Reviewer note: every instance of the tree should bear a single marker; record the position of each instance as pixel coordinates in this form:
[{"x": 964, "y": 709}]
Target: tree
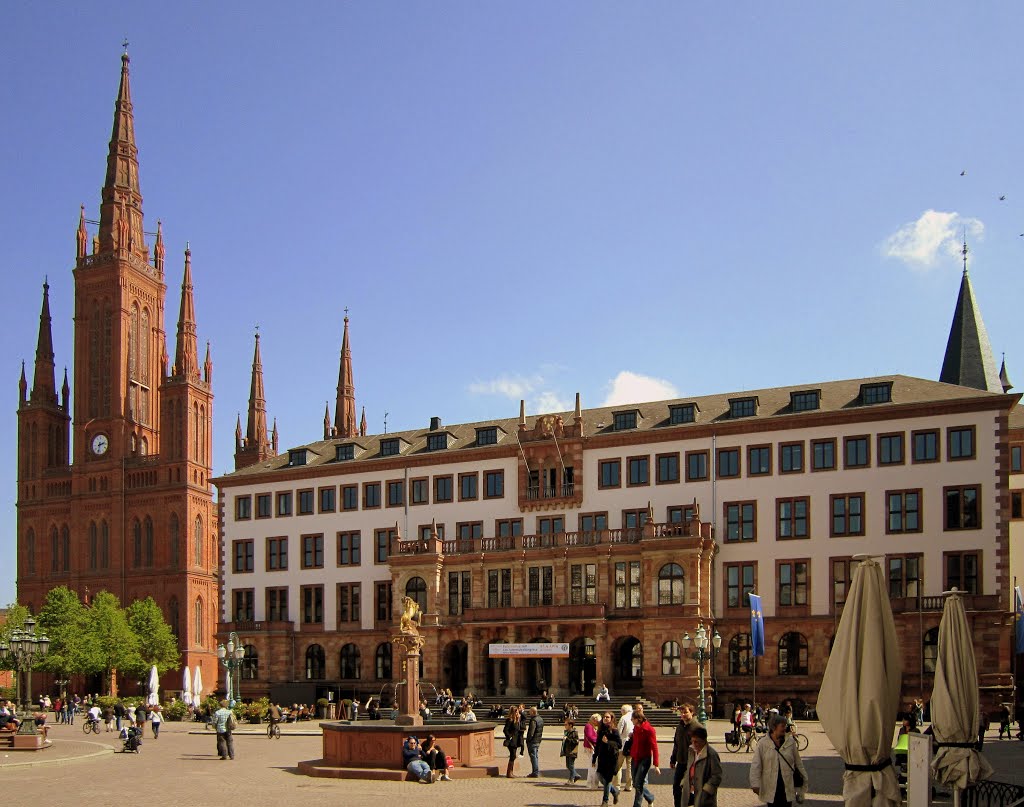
[
  {"x": 65, "y": 621},
  {"x": 157, "y": 645},
  {"x": 15, "y": 618},
  {"x": 116, "y": 645}
]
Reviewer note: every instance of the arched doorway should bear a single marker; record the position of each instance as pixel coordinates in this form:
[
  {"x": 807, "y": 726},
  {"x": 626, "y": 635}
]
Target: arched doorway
[
  {"x": 628, "y": 657},
  {"x": 495, "y": 669},
  {"x": 537, "y": 677},
  {"x": 582, "y": 666},
  {"x": 456, "y": 667}
]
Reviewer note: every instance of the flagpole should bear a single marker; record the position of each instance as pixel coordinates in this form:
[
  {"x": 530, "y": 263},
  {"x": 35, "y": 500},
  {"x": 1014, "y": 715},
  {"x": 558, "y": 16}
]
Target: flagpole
[{"x": 1016, "y": 649}]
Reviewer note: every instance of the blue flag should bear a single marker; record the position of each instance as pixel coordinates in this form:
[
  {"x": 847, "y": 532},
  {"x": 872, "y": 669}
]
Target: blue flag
[
  {"x": 756, "y": 626},
  {"x": 1018, "y": 607}
]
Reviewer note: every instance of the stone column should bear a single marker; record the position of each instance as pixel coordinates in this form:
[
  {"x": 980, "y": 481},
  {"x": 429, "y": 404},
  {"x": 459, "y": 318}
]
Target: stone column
[{"x": 408, "y": 646}]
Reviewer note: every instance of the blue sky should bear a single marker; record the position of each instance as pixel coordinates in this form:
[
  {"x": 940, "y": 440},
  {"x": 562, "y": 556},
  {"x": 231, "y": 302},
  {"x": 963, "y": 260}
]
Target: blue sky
[{"x": 525, "y": 199}]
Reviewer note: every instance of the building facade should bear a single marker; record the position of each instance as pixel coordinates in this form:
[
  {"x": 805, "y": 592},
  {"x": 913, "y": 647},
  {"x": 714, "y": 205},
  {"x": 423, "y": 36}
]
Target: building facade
[{"x": 114, "y": 490}]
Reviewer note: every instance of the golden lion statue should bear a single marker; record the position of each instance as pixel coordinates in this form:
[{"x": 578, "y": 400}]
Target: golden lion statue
[{"x": 410, "y": 616}]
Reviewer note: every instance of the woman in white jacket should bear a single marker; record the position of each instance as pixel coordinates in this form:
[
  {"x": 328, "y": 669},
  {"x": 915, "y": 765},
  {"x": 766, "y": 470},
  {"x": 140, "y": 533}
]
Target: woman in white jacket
[{"x": 775, "y": 763}]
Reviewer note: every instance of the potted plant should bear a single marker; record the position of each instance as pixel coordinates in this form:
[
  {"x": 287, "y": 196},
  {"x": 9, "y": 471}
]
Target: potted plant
[{"x": 322, "y": 703}]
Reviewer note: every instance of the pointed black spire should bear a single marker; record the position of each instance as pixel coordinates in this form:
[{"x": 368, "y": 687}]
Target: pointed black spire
[{"x": 968, "y": 361}]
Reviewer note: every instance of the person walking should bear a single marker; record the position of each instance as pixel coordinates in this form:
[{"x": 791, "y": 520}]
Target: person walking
[
  {"x": 569, "y": 750},
  {"x": 119, "y": 714},
  {"x": 680, "y": 749},
  {"x": 644, "y": 752},
  {"x": 224, "y": 723},
  {"x": 703, "y": 769},
  {"x": 777, "y": 773},
  {"x": 590, "y": 744},
  {"x": 156, "y": 718},
  {"x": 609, "y": 744},
  {"x": 625, "y": 774},
  {"x": 513, "y": 740},
  {"x": 534, "y": 735}
]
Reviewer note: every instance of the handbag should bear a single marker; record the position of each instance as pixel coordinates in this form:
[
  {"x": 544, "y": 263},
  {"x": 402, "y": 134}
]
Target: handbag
[{"x": 798, "y": 778}]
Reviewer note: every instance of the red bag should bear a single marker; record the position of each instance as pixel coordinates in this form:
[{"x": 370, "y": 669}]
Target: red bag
[{"x": 449, "y": 762}]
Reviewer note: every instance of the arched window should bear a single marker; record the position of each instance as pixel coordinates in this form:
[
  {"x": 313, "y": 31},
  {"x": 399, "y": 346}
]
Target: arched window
[
  {"x": 383, "y": 661},
  {"x": 198, "y": 541},
  {"x": 147, "y": 553},
  {"x": 175, "y": 541},
  {"x": 137, "y": 543},
  {"x": 30, "y": 550},
  {"x": 314, "y": 663},
  {"x": 54, "y": 550},
  {"x": 416, "y": 589},
  {"x": 250, "y": 663},
  {"x": 65, "y": 548},
  {"x": 739, "y": 654},
  {"x": 793, "y": 654},
  {"x": 198, "y": 621},
  {"x": 671, "y": 663},
  {"x": 94, "y": 545},
  {"x": 931, "y": 649},
  {"x": 671, "y": 585},
  {"x": 173, "y": 617},
  {"x": 349, "y": 661},
  {"x": 104, "y": 545},
  {"x": 144, "y": 371}
]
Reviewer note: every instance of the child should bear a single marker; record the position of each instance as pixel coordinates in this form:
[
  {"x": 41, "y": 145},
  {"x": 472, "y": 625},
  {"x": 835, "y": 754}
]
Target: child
[{"x": 570, "y": 744}]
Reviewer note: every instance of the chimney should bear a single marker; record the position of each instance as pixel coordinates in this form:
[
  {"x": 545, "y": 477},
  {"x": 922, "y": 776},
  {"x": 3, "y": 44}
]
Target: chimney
[{"x": 435, "y": 424}]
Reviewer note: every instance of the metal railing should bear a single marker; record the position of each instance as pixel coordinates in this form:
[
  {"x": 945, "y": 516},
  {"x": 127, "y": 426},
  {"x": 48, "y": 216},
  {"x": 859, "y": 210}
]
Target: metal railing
[
  {"x": 992, "y": 794},
  {"x": 565, "y": 491}
]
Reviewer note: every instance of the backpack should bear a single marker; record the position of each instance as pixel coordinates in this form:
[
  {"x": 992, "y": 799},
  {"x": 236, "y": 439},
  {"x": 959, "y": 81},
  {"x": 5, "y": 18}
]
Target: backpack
[{"x": 232, "y": 722}]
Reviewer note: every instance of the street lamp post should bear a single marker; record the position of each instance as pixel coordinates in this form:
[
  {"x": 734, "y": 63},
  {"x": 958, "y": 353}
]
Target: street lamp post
[
  {"x": 704, "y": 649},
  {"x": 231, "y": 657},
  {"x": 22, "y": 651}
]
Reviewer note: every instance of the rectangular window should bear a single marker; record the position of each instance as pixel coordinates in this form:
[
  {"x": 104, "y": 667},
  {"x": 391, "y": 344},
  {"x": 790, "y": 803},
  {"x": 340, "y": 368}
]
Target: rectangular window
[
  {"x": 804, "y": 401},
  {"x": 609, "y": 473},
  {"x": 668, "y": 468},
  {"x": 305, "y": 502},
  {"x": 728, "y": 462},
  {"x": 742, "y": 407},
  {"x": 904, "y": 575},
  {"x": 925, "y": 446},
  {"x": 382, "y": 598},
  {"x": 419, "y": 491},
  {"x": 499, "y": 588},
  {"x": 348, "y": 603},
  {"x": 494, "y": 484},
  {"x": 740, "y": 579},
  {"x": 348, "y": 548},
  {"x": 794, "y": 517},
  {"x": 243, "y": 508},
  {"x": 328, "y": 498},
  {"x": 345, "y": 452},
  {"x": 442, "y": 489},
  {"x": 759, "y": 460},
  {"x": 680, "y": 514},
  {"x": 371, "y": 495},
  {"x": 390, "y": 447},
  {"x": 244, "y": 605},
  {"x": 904, "y": 511},
  {"x": 791, "y": 458},
  {"x": 551, "y": 525},
  {"x": 823, "y": 455},
  {"x": 540, "y": 585},
  {"x": 842, "y": 575},
  {"x": 741, "y": 521},
  {"x": 508, "y": 527},
  {"x": 856, "y": 451},
  {"x": 1016, "y": 505},
  {"x": 792, "y": 577},
  {"x": 634, "y": 519},
  {"x": 382, "y": 544},
  {"x": 396, "y": 493},
  {"x": 468, "y": 486},
  {"x": 1016, "y": 458},
  {"x": 284, "y": 504},
  {"x": 312, "y": 551},
  {"x": 262, "y": 505},
  {"x": 961, "y": 443},
  {"x": 350, "y": 497},
  {"x": 847, "y": 514},
  {"x": 243, "y": 557},
  {"x": 639, "y": 471},
  {"x": 890, "y": 449},
  {"x": 437, "y": 442},
  {"x": 468, "y": 530},
  {"x": 427, "y": 531},
  {"x": 583, "y": 583},
  {"x": 460, "y": 593},
  {"x": 487, "y": 436},
  {"x": 277, "y": 605},
  {"x": 876, "y": 393},
  {"x": 590, "y": 524},
  {"x": 277, "y": 554},
  {"x": 682, "y": 413},
  {"x": 296, "y": 457},
  {"x": 962, "y": 511},
  {"x": 696, "y": 466},
  {"x": 625, "y": 420},
  {"x": 312, "y": 605},
  {"x": 963, "y": 571},
  {"x": 627, "y": 584}
]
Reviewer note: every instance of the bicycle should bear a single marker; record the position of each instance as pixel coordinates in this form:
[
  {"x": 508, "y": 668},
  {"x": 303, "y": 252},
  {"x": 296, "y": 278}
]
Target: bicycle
[
  {"x": 737, "y": 739},
  {"x": 91, "y": 724},
  {"x": 802, "y": 740},
  {"x": 274, "y": 731}
]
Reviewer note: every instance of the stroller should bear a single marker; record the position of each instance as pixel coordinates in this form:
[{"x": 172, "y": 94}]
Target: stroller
[{"x": 132, "y": 738}]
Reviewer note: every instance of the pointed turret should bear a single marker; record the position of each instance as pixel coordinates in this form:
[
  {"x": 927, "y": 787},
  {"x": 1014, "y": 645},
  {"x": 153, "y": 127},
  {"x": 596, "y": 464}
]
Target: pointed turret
[
  {"x": 208, "y": 365},
  {"x": 238, "y": 430},
  {"x": 345, "y": 409},
  {"x": 1004, "y": 377},
  {"x": 255, "y": 446},
  {"x": 65, "y": 392},
  {"x": 362, "y": 424},
  {"x": 968, "y": 360},
  {"x": 22, "y": 385},
  {"x": 121, "y": 196},
  {"x": 82, "y": 235},
  {"x": 44, "y": 388},
  {"x": 273, "y": 437},
  {"x": 327, "y": 420},
  {"x": 186, "y": 361},
  {"x": 159, "y": 250}
]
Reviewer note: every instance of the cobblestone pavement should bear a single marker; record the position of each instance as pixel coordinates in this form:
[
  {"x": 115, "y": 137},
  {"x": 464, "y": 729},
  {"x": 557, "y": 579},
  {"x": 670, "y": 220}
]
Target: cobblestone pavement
[{"x": 182, "y": 768}]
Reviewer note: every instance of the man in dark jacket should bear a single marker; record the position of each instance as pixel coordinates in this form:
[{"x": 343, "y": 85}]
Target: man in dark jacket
[
  {"x": 534, "y": 734},
  {"x": 680, "y": 749}
]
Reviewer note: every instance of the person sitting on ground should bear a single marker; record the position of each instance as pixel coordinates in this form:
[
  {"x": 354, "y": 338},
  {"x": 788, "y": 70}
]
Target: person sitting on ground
[
  {"x": 436, "y": 758},
  {"x": 467, "y": 716},
  {"x": 9, "y": 723},
  {"x": 603, "y": 694},
  {"x": 496, "y": 711},
  {"x": 424, "y": 711},
  {"x": 373, "y": 709},
  {"x": 412, "y": 758}
]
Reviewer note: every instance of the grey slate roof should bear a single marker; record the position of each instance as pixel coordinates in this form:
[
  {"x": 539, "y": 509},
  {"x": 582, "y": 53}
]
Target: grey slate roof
[{"x": 969, "y": 361}]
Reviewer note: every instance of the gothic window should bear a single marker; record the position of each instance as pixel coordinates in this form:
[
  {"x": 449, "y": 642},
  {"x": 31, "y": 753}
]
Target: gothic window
[
  {"x": 383, "y": 661},
  {"x": 95, "y": 342},
  {"x": 173, "y": 617},
  {"x": 104, "y": 545},
  {"x": 30, "y": 550},
  {"x": 314, "y": 663},
  {"x": 671, "y": 662},
  {"x": 143, "y": 368},
  {"x": 137, "y": 543},
  {"x": 671, "y": 585},
  {"x": 793, "y": 654},
  {"x": 147, "y": 555},
  {"x": 739, "y": 654},
  {"x": 250, "y": 663},
  {"x": 93, "y": 545},
  {"x": 198, "y": 541},
  {"x": 106, "y": 356},
  {"x": 195, "y": 431},
  {"x": 65, "y": 542},
  {"x": 179, "y": 432},
  {"x": 198, "y": 621},
  {"x": 349, "y": 661},
  {"x": 930, "y": 649},
  {"x": 54, "y": 550},
  {"x": 416, "y": 589},
  {"x": 175, "y": 542}
]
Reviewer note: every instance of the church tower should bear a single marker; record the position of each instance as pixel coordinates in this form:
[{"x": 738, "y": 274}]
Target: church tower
[
  {"x": 132, "y": 513},
  {"x": 255, "y": 446}
]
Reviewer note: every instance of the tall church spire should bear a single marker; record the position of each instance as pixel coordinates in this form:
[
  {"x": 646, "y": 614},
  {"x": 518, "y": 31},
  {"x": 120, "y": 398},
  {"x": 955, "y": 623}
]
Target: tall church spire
[
  {"x": 121, "y": 196},
  {"x": 44, "y": 387},
  {"x": 969, "y": 361},
  {"x": 186, "y": 352},
  {"x": 345, "y": 409},
  {"x": 256, "y": 446}
]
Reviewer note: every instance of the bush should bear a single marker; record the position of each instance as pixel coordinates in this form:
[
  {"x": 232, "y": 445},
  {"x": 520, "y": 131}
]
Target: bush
[
  {"x": 103, "y": 701},
  {"x": 253, "y": 711},
  {"x": 175, "y": 710},
  {"x": 322, "y": 702}
]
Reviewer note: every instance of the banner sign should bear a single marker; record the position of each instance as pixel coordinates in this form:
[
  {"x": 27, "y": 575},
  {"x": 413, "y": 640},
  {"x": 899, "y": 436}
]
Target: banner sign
[
  {"x": 756, "y": 626},
  {"x": 529, "y": 650}
]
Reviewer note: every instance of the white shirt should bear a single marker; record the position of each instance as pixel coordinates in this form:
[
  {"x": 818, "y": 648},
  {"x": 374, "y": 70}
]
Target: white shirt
[
  {"x": 626, "y": 725},
  {"x": 94, "y": 713}
]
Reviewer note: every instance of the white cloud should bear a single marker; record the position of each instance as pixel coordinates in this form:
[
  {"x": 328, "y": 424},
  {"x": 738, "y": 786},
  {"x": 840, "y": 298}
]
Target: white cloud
[
  {"x": 629, "y": 387},
  {"x": 935, "y": 234},
  {"x": 508, "y": 386},
  {"x": 546, "y": 402}
]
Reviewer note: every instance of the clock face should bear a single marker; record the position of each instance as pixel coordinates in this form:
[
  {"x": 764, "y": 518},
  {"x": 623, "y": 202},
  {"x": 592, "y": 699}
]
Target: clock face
[{"x": 100, "y": 444}]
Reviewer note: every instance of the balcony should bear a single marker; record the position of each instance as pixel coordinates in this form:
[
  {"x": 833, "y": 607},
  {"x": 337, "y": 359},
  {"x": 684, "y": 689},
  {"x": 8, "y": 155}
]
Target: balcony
[{"x": 566, "y": 491}]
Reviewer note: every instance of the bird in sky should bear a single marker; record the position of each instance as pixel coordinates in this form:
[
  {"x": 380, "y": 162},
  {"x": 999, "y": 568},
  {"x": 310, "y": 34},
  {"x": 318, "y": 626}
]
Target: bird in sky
[
  {"x": 1002, "y": 198},
  {"x": 963, "y": 173}
]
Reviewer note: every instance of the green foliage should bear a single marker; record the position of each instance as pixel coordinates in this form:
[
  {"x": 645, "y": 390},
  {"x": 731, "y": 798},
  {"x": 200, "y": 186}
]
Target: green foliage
[
  {"x": 116, "y": 645},
  {"x": 157, "y": 645},
  {"x": 16, "y": 616},
  {"x": 175, "y": 710},
  {"x": 65, "y": 621},
  {"x": 103, "y": 701},
  {"x": 322, "y": 702},
  {"x": 254, "y": 711}
]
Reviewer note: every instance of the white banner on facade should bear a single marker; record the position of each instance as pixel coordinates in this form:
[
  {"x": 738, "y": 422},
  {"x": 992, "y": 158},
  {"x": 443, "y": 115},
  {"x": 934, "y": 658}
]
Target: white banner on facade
[{"x": 529, "y": 650}]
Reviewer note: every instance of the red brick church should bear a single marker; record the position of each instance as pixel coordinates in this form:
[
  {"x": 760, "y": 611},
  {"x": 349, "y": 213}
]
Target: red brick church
[{"x": 114, "y": 489}]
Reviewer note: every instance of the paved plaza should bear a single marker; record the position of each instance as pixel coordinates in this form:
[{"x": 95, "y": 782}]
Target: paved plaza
[{"x": 182, "y": 769}]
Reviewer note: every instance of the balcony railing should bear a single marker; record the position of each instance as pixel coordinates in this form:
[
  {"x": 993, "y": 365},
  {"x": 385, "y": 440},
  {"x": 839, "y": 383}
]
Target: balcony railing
[
  {"x": 545, "y": 540},
  {"x": 564, "y": 491}
]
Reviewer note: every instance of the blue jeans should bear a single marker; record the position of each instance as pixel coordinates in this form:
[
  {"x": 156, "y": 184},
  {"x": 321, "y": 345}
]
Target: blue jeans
[
  {"x": 570, "y": 765},
  {"x": 609, "y": 787},
  {"x": 419, "y": 769},
  {"x": 640, "y": 771},
  {"x": 535, "y": 758}
]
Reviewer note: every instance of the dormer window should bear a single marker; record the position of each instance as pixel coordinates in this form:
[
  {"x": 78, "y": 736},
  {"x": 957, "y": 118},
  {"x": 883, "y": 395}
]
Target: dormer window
[
  {"x": 805, "y": 400},
  {"x": 682, "y": 413},
  {"x": 487, "y": 436},
  {"x": 742, "y": 407},
  {"x": 346, "y": 451},
  {"x": 296, "y": 457},
  {"x": 390, "y": 447},
  {"x": 625, "y": 420},
  {"x": 435, "y": 442},
  {"x": 876, "y": 393}
]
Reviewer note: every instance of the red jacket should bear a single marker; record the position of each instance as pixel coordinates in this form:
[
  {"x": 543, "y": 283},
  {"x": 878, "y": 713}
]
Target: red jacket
[{"x": 645, "y": 743}]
